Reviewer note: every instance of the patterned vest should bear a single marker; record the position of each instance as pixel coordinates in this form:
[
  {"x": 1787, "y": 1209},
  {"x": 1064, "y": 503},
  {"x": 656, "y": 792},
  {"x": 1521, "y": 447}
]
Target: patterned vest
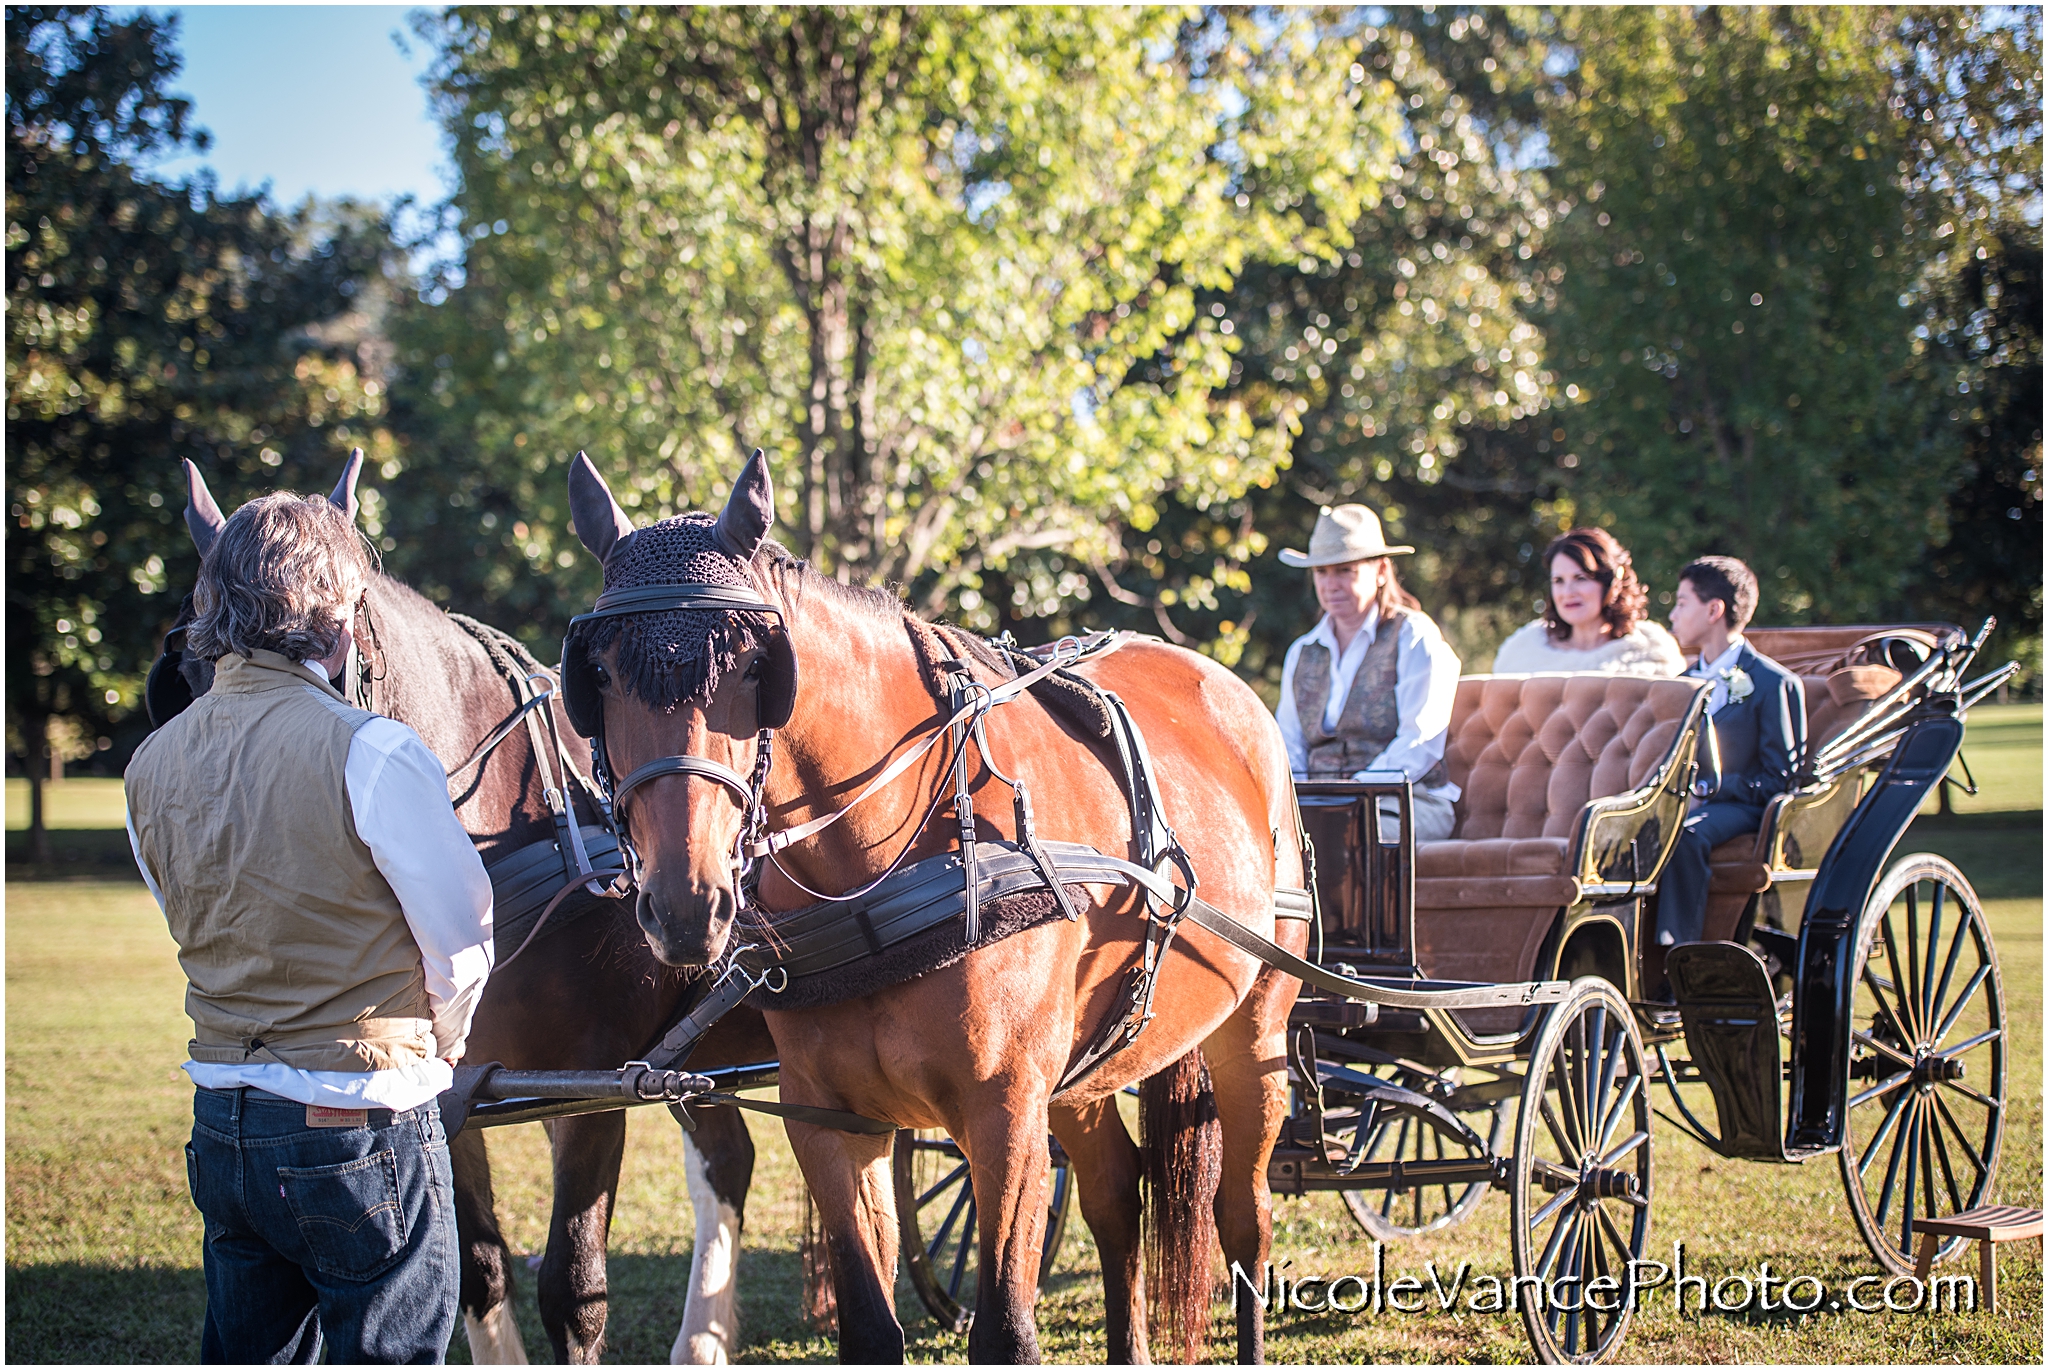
[{"x": 1370, "y": 716}]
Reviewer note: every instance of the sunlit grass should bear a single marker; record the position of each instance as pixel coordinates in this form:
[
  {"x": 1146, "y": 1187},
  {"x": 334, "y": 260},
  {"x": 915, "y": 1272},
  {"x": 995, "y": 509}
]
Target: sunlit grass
[{"x": 87, "y": 801}]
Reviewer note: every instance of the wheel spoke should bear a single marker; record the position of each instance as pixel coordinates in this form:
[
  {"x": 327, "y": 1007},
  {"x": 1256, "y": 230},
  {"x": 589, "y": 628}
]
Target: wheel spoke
[
  {"x": 1879, "y": 991},
  {"x": 1934, "y": 910},
  {"x": 1597, "y": 1107},
  {"x": 1563, "y": 1069},
  {"x": 1912, "y": 1145},
  {"x": 1881, "y": 1088},
  {"x": 960, "y": 1254},
  {"x": 1899, "y": 992},
  {"x": 1936, "y": 1145},
  {"x": 1972, "y": 1095},
  {"x": 960, "y": 1203},
  {"x": 1614, "y": 1235},
  {"x": 1909, "y": 988},
  {"x": 952, "y": 1177},
  {"x": 1962, "y": 1139},
  {"x": 1564, "y": 1148},
  {"x": 1634, "y": 1140},
  {"x": 1620, "y": 1108},
  {"x": 1891, "y": 1118},
  {"x": 1891, "y": 1173},
  {"x": 1948, "y": 969},
  {"x": 1549, "y": 1210},
  {"x": 1963, "y": 1002},
  {"x": 1887, "y": 1048},
  {"x": 1593, "y": 1067},
  {"x": 1550, "y": 1248}
]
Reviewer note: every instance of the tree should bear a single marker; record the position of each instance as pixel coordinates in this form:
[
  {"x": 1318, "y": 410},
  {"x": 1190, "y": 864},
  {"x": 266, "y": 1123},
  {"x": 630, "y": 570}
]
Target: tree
[
  {"x": 944, "y": 265},
  {"x": 1969, "y": 85},
  {"x": 145, "y": 322},
  {"x": 1414, "y": 359},
  {"x": 1735, "y": 316}
]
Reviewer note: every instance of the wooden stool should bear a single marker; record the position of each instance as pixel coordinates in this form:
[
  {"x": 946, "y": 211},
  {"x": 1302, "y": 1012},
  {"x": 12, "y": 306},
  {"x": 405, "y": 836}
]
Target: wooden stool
[{"x": 1986, "y": 1226}]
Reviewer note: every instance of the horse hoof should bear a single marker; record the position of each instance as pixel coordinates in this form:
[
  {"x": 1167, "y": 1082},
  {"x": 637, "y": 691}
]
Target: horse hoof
[{"x": 494, "y": 1338}]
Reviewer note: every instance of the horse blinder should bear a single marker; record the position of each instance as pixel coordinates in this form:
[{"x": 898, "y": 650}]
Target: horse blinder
[
  {"x": 584, "y": 701},
  {"x": 167, "y": 693}
]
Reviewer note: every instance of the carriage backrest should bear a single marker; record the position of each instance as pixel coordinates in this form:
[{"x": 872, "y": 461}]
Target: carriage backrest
[
  {"x": 1530, "y": 751},
  {"x": 1845, "y": 669}
]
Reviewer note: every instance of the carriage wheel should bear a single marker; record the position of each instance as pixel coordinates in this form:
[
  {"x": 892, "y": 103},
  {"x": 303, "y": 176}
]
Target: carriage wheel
[
  {"x": 1926, "y": 1085},
  {"x": 935, "y": 1218},
  {"x": 1581, "y": 1175},
  {"x": 1406, "y": 1135}
]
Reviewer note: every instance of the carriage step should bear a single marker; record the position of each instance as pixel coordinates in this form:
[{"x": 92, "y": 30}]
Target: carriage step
[{"x": 1730, "y": 1014}]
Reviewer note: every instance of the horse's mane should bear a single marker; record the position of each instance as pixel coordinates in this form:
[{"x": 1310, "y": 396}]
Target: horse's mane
[
  {"x": 794, "y": 577},
  {"x": 674, "y": 656}
]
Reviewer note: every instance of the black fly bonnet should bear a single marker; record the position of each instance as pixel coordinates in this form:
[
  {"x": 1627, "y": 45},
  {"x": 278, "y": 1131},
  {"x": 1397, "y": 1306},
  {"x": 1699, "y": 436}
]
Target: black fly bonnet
[{"x": 681, "y": 609}]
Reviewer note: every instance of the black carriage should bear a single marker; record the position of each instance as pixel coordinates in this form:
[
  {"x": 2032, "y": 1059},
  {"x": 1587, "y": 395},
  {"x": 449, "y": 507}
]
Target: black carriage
[{"x": 1847, "y": 1001}]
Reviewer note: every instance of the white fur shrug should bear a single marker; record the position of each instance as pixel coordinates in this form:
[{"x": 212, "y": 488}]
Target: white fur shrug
[{"x": 1649, "y": 650}]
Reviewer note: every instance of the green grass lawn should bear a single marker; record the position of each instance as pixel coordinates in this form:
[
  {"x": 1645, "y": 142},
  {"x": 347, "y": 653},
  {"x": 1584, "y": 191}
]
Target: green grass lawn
[
  {"x": 87, "y": 801},
  {"x": 103, "y": 1243}
]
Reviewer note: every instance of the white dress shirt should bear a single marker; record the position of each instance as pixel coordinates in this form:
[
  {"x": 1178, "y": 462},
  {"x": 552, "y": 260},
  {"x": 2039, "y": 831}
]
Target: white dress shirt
[
  {"x": 398, "y": 794},
  {"x": 1425, "y": 691},
  {"x": 1717, "y": 695}
]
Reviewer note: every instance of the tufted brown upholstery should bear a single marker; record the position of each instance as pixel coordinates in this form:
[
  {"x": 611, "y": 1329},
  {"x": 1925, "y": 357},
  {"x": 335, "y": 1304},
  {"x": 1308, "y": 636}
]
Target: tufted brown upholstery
[{"x": 1529, "y": 752}]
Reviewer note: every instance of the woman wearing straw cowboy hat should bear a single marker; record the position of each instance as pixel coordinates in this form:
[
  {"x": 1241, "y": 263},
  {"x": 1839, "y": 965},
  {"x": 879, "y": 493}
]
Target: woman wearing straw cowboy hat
[{"x": 1371, "y": 687}]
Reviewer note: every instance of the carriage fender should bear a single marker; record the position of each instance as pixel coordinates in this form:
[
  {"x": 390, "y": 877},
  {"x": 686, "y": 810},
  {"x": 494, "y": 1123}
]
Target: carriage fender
[{"x": 1824, "y": 992}]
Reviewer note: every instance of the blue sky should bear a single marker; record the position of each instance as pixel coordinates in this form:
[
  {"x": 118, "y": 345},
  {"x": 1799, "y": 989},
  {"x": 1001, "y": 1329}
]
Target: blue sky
[{"x": 313, "y": 99}]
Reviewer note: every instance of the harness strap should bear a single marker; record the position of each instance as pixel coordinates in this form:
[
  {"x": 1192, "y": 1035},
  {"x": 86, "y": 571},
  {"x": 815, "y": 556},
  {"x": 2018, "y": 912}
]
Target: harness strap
[
  {"x": 1066, "y": 652},
  {"x": 702, "y": 766},
  {"x": 837, "y": 1119}
]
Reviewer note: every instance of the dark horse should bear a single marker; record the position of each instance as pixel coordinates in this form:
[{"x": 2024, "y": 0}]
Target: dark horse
[
  {"x": 978, "y": 1046},
  {"x": 587, "y": 995}
]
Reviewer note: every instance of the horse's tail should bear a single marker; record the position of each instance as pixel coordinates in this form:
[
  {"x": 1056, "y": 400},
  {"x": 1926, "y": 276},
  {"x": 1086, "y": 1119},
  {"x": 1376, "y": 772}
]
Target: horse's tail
[{"x": 1181, "y": 1145}]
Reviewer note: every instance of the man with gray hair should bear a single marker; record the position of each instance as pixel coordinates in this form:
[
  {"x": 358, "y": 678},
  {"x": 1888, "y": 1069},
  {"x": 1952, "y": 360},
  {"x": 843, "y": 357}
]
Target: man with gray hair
[{"x": 334, "y": 924}]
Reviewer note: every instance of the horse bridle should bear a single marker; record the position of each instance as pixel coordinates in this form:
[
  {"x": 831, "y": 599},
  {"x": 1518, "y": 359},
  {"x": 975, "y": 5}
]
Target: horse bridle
[{"x": 585, "y": 706}]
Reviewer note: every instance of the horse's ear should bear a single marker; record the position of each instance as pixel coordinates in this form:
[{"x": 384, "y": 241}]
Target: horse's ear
[
  {"x": 599, "y": 520},
  {"x": 202, "y": 515},
  {"x": 344, "y": 496},
  {"x": 750, "y": 512}
]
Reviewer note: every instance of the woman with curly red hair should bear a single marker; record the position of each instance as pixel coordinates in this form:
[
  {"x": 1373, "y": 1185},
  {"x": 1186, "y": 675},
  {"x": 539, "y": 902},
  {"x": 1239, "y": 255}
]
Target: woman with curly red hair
[{"x": 1594, "y": 616}]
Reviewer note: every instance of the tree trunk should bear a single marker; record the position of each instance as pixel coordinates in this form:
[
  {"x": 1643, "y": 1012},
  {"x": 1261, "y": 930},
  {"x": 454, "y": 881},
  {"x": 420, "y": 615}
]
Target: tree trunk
[{"x": 38, "y": 829}]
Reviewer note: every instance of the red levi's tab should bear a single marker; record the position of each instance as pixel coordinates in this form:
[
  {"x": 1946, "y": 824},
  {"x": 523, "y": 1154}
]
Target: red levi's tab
[{"x": 320, "y": 1116}]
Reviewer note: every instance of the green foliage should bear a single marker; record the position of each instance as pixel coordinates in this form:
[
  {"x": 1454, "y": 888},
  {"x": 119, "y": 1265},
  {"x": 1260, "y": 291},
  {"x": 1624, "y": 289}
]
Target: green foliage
[
  {"x": 944, "y": 265},
  {"x": 1970, "y": 83},
  {"x": 1734, "y": 316},
  {"x": 1415, "y": 358},
  {"x": 145, "y": 323}
]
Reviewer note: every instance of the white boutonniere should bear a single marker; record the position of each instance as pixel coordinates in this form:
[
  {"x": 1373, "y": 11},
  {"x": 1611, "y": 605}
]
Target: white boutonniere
[{"x": 1740, "y": 686}]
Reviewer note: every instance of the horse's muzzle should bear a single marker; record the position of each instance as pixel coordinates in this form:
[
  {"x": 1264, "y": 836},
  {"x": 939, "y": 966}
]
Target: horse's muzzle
[{"x": 690, "y": 930}]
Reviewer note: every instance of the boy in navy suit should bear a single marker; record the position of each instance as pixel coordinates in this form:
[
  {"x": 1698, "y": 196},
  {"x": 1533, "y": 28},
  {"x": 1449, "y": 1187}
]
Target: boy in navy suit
[{"x": 1756, "y": 735}]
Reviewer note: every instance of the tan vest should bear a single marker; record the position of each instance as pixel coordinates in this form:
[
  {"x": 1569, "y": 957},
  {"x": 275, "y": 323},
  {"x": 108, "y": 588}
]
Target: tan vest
[
  {"x": 295, "y": 949},
  {"x": 1370, "y": 716}
]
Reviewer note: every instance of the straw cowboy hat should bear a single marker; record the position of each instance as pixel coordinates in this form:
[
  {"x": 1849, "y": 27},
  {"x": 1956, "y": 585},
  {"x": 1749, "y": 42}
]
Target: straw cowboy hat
[{"x": 1347, "y": 532}]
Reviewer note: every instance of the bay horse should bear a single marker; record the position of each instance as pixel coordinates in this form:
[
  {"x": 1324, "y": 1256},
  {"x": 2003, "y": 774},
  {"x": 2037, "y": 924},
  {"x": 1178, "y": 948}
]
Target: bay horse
[
  {"x": 978, "y": 1046},
  {"x": 587, "y": 995}
]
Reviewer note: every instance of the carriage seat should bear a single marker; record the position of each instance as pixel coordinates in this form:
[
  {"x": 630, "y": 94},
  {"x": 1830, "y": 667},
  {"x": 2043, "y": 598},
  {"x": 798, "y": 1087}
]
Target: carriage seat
[
  {"x": 1530, "y": 754},
  {"x": 1843, "y": 673}
]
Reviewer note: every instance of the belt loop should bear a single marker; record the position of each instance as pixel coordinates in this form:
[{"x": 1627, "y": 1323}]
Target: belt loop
[{"x": 241, "y": 1096}]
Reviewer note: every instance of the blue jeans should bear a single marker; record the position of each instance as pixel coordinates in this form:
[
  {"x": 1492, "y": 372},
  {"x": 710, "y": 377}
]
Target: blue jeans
[{"x": 341, "y": 1235}]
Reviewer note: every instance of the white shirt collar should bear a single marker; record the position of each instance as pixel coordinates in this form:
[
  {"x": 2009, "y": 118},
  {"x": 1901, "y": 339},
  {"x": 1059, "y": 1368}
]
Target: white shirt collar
[
  {"x": 1325, "y": 631},
  {"x": 1724, "y": 662}
]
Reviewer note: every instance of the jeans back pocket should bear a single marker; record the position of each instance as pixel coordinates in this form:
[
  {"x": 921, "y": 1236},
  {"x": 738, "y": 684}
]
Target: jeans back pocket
[{"x": 350, "y": 1214}]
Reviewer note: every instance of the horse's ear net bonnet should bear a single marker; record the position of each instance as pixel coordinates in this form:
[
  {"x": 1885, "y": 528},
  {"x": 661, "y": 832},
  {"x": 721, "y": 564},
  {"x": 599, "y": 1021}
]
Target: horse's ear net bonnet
[{"x": 668, "y": 655}]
